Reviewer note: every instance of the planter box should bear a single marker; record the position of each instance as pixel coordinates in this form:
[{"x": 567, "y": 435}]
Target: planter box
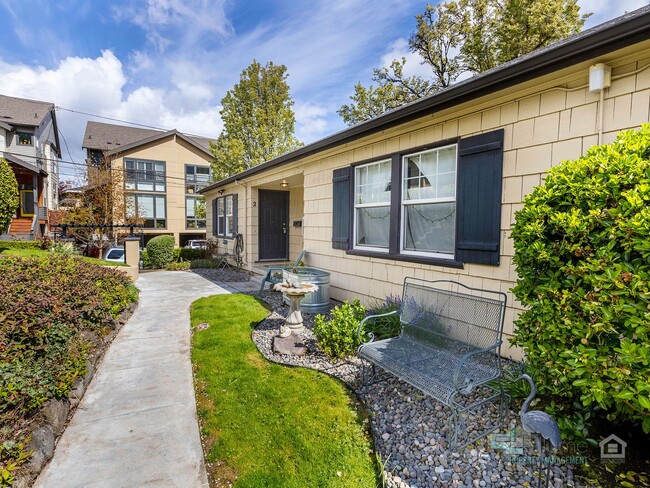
[{"x": 314, "y": 302}]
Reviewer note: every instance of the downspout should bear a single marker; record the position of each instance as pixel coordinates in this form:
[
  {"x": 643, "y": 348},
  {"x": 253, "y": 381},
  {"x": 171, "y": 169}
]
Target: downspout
[
  {"x": 601, "y": 116},
  {"x": 246, "y": 209}
]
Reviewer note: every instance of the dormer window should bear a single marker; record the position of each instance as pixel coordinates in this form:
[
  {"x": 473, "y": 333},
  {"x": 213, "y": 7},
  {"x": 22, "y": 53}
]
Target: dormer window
[{"x": 24, "y": 138}]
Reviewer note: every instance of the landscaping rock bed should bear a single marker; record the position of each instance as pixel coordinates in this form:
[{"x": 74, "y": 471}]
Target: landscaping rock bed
[
  {"x": 227, "y": 275},
  {"x": 408, "y": 427}
]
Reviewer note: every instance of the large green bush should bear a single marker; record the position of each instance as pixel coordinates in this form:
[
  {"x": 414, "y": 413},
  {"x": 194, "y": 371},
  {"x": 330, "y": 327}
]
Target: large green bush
[
  {"x": 582, "y": 254},
  {"x": 20, "y": 245},
  {"x": 8, "y": 195},
  {"x": 160, "y": 251}
]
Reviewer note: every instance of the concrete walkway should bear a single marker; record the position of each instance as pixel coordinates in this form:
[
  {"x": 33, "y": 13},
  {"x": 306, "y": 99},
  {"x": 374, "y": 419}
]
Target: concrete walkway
[{"x": 136, "y": 425}]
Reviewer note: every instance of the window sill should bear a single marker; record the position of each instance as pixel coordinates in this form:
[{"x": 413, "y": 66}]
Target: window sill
[{"x": 447, "y": 263}]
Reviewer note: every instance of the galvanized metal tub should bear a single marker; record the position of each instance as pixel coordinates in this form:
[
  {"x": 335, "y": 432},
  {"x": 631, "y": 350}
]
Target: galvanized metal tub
[{"x": 314, "y": 302}]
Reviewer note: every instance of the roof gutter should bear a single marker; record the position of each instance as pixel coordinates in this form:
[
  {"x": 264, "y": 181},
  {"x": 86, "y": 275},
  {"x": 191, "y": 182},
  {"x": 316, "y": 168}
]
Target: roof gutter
[{"x": 605, "y": 38}]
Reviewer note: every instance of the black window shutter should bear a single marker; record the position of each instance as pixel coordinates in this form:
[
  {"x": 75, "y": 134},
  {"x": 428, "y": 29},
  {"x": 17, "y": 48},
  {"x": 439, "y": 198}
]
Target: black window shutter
[
  {"x": 480, "y": 163},
  {"x": 214, "y": 217},
  {"x": 234, "y": 215},
  {"x": 341, "y": 208}
]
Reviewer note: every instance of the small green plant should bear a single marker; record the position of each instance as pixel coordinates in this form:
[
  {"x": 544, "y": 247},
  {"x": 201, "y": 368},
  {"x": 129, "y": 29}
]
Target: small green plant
[
  {"x": 337, "y": 337},
  {"x": 160, "y": 251},
  {"x": 385, "y": 327},
  {"x": 574, "y": 421},
  {"x": 182, "y": 266}
]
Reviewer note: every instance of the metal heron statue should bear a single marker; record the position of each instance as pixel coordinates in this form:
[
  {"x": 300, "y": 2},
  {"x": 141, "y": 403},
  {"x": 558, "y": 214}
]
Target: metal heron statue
[{"x": 540, "y": 424}]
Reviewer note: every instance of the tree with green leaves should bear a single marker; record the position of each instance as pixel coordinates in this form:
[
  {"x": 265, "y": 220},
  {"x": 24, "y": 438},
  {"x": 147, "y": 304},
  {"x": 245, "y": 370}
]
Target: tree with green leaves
[
  {"x": 8, "y": 195},
  {"x": 258, "y": 121},
  {"x": 464, "y": 36}
]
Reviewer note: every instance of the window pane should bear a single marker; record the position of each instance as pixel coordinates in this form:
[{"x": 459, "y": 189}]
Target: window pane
[
  {"x": 130, "y": 164},
  {"x": 373, "y": 226},
  {"x": 430, "y": 227},
  {"x": 160, "y": 208},
  {"x": 160, "y": 168},
  {"x": 229, "y": 205},
  {"x": 200, "y": 170},
  {"x": 229, "y": 225},
  {"x": 145, "y": 206},
  {"x": 189, "y": 170},
  {"x": 189, "y": 207},
  {"x": 430, "y": 175},
  {"x": 130, "y": 206},
  {"x": 190, "y": 223},
  {"x": 220, "y": 208},
  {"x": 159, "y": 187},
  {"x": 145, "y": 186},
  {"x": 200, "y": 223},
  {"x": 372, "y": 183}
]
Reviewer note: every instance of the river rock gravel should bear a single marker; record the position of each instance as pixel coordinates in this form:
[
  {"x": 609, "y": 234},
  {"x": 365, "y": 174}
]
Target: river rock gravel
[{"x": 410, "y": 429}]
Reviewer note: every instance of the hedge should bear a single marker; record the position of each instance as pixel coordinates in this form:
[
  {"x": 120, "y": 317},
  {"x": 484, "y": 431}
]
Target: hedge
[
  {"x": 582, "y": 254},
  {"x": 160, "y": 251}
]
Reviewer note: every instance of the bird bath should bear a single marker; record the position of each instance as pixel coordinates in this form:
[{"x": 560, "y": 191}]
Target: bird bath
[{"x": 294, "y": 292}]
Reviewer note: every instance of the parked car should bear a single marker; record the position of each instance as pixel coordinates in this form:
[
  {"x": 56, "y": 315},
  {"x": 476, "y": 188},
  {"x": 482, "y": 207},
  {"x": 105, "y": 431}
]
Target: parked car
[
  {"x": 115, "y": 254},
  {"x": 197, "y": 244}
]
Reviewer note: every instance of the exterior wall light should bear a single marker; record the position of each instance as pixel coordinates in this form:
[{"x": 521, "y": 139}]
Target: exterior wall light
[
  {"x": 284, "y": 184},
  {"x": 600, "y": 77}
]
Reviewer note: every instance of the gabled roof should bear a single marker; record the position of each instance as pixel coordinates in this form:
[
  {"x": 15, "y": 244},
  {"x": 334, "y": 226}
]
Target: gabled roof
[
  {"x": 115, "y": 138},
  {"x": 21, "y": 111},
  {"x": 623, "y": 31}
]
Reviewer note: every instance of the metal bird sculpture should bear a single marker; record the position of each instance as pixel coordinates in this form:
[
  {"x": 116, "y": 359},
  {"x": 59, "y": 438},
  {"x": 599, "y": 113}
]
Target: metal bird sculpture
[{"x": 540, "y": 424}]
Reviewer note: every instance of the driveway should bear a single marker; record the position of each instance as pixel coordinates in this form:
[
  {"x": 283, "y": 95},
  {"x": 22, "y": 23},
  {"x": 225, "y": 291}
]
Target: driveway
[{"x": 136, "y": 425}]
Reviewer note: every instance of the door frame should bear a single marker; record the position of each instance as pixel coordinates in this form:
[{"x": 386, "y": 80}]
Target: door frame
[
  {"x": 259, "y": 226},
  {"x": 22, "y": 193}
]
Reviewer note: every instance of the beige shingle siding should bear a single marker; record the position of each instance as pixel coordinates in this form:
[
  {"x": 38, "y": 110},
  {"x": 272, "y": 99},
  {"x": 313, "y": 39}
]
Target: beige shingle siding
[{"x": 543, "y": 126}]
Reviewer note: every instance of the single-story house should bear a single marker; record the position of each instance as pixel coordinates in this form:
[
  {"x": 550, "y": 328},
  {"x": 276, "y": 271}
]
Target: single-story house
[{"x": 431, "y": 189}]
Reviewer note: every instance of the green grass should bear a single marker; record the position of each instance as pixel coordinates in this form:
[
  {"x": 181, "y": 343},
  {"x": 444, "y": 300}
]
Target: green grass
[
  {"x": 269, "y": 425},
  {"x": 35, "y": 253}
]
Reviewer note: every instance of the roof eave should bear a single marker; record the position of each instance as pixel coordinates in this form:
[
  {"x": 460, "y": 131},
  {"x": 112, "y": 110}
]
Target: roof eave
[{"x": 622, "y": 32}]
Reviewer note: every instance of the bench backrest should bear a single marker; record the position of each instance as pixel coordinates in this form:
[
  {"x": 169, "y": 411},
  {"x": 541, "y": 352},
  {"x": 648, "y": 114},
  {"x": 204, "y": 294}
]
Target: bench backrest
[{"x": 442, "y": 311}]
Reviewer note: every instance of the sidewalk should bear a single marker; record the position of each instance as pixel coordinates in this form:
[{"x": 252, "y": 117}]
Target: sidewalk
[{"x": 136, "y": 425}]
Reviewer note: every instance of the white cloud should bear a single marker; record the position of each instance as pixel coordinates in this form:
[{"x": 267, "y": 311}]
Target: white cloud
[
  {"x": 311, "y": 121},
  {"x": 400, "y": 49},
  {"x": 98, "y": 86},
  {"x": 171, "y": 22}
]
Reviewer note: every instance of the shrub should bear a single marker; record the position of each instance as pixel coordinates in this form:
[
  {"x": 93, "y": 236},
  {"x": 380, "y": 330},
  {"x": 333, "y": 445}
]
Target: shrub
[
  {"x": 582, "y": 254},
  {"x": 185, "y": 254},
  {"x": 64, "y": 247},
  {"x": 145, "y": 259},
  {"x": 337, "y": 337},
  {"x": 8, "y": 195},
  {"x": 385, "y": 327},
  {"x": 160, "y": 251},
  {"x": 20, "y": 244},
  {"x": 183, "y": 266}
]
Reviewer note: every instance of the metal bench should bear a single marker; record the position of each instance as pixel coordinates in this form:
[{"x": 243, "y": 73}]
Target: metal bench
[{"x": 448, "y": 348}]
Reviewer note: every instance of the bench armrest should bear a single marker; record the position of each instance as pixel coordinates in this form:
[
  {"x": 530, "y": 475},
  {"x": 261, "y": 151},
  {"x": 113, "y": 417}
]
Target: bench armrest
[
  {"x": 463, "y": 382},
  {"x": 370, "y": 334}
]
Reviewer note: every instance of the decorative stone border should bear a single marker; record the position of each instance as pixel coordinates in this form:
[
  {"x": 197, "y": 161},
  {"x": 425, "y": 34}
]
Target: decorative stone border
[{"x": 54, "y": 415}]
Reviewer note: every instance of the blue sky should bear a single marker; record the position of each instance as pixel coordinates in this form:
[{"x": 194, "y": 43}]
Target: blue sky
[{"x": 168, "y": 63}]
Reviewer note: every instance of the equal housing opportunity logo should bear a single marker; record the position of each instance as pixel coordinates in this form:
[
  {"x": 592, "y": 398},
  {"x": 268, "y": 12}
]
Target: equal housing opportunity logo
[{"x": 612, "y": 449}]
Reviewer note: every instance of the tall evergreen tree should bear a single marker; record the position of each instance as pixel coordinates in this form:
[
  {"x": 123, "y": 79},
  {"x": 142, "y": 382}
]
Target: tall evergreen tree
[
  {"x": 464, "y": 36},
  {"x": 8, "y": 195},
  {"x": 258, "y": 120}
]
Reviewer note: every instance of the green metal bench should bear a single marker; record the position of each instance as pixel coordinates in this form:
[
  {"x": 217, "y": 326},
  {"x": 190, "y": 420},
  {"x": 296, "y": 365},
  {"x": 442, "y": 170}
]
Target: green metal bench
[
  {"x": 448, "y": 348},
  {"x": 274, "y": 273}
]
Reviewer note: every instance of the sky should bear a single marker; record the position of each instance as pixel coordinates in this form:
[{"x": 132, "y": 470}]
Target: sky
[{"x": 168, "y": 63}]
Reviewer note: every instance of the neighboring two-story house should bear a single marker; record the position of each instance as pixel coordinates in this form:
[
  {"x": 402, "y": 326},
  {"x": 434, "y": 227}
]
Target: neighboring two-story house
[
  {"x": 29, "y": 141},
  {"x": 161, "y": 171}
]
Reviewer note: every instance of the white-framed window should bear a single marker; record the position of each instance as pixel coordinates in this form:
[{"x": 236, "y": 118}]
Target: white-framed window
[
  {"x": 372, "y": 190},
  {"x": 151, "y": 208},
  {"x": 24, "y": 139},
  {"x": 428, "y": 203},
  {"x": 144, "y": 175},
  {"x": 225, "y": 216}
]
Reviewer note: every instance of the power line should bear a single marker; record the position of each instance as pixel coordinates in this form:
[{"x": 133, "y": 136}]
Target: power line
[
  {"x": 88, "y": 165},
  {"x": 58, "y": 107}
]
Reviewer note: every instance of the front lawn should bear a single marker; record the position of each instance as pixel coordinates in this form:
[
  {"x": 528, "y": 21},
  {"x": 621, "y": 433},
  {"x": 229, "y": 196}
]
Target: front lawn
[{"x": 264, "y": 424}]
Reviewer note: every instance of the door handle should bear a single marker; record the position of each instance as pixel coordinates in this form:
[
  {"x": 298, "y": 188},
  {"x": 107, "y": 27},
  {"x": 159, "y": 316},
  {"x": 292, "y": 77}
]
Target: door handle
[{"x": 284, "y": 228}]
